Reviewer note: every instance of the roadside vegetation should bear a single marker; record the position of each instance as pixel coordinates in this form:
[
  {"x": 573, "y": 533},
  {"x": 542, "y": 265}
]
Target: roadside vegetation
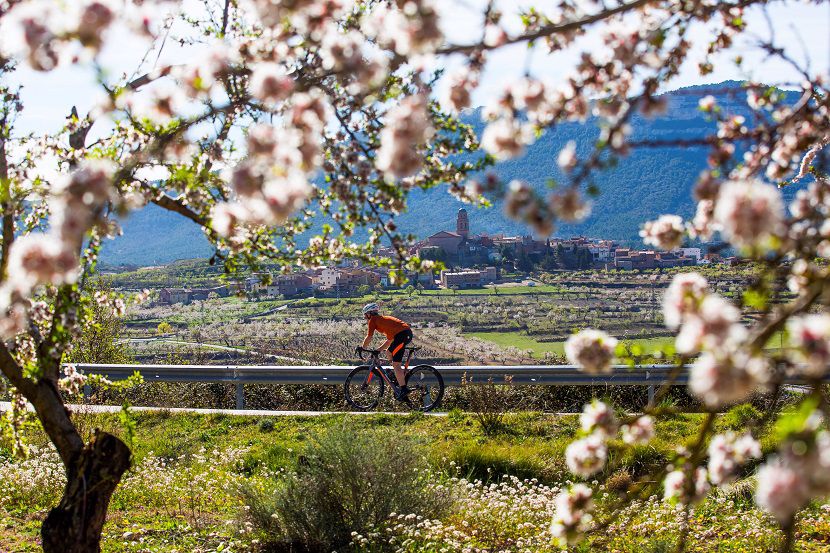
[{"x": 228, "y": 483}]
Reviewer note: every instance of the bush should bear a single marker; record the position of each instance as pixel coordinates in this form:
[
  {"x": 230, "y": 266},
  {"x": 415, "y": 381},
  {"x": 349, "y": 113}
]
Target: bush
[
  {"x": 346, "y": 481},
  {"x": 490, "y": 402}
]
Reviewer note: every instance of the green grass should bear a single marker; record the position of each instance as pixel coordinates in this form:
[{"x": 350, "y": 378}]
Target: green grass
[
  {"x": 539, "y": 349},
  {"x": 183, "y": 494}
]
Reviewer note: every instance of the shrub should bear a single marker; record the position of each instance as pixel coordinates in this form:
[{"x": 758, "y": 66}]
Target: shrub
[
  {"x": 490, "y": 402},
  {"x": 346, "y": 481}
]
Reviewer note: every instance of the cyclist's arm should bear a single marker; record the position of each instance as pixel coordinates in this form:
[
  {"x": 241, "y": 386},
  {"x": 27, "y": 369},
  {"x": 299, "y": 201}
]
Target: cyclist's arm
[{"x": 369, "y": 334}]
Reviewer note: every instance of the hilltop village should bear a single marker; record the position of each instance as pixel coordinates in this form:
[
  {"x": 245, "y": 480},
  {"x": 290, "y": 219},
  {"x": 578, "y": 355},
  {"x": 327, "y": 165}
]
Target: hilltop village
[{"x": 471, "y": 261}]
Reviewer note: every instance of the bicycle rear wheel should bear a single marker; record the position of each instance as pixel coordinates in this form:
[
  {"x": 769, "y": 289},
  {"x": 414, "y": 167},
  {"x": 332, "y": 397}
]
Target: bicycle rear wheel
[
  {"x": 363, "y": 388},
  {"x": 426, "y": 387}
]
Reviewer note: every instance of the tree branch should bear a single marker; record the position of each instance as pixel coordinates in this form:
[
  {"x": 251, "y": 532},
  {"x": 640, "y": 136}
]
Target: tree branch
[
  {"x": 548, "y": 30},
  {"x": 176, "y": 206},
  {"x": 5, "y": 204},
  {"x": 49, "y": 408}
]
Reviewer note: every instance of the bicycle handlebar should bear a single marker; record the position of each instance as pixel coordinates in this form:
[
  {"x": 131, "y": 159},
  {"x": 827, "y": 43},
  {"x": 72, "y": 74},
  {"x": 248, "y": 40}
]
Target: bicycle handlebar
[{"x": 360, "y": 351}]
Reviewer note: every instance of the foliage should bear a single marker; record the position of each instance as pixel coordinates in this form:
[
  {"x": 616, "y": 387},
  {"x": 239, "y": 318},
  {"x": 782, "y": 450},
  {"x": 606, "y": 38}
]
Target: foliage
[
  {"x": 489, "y": 401},
  {"x": 101, "y": 339},
  {"x": 346, "y": 481}
]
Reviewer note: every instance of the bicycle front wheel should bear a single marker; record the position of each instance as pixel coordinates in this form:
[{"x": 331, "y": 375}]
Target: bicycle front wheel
[
  {"x": 426, "y": 387},
  {"x": 363, "y": 388}
]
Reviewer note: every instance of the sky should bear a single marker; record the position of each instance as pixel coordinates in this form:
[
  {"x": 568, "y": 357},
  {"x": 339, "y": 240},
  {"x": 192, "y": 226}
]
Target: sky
[{"x": 800, "y": 27}]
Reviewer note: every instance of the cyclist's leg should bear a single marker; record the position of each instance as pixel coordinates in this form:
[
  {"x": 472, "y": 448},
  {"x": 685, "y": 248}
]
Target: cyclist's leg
[{"x": 396, "y": 351}]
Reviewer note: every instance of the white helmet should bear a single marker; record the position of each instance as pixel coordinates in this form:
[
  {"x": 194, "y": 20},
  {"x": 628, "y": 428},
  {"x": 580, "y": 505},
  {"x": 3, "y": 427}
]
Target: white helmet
[{"x": 370, "y": 308}]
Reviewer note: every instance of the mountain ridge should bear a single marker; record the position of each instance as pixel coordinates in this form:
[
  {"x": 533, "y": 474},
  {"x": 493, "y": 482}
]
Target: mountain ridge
[{"x": 645, "y": 184}]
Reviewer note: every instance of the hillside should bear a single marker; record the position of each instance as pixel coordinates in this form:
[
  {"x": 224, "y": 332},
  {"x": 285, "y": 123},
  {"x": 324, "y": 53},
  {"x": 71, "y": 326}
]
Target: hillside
[{"x": 644, "y": 185}]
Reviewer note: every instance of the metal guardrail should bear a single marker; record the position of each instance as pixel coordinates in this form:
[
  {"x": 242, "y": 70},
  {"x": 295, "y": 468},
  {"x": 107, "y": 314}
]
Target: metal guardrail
[{"x": 335, "y": 375}]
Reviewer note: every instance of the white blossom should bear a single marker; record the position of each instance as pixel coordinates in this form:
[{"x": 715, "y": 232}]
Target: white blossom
[
  {"x": 683, "y": 298},
  {"x": 727, "y": 452},
  {"x": 810, "y": 335},
  {"x": 587, "y": 456},
  {"x": 591, "y": 350},
  {"x": 675, "y": 485},
  {"x": 666, "y": 232},
  {"x": 404, "y": 136},
  {"x": 639, "y": 432},
  {"x": 749, "y": 213},
  {"x": 598, "y": 417},
  {"x": 724, "y": 378}
]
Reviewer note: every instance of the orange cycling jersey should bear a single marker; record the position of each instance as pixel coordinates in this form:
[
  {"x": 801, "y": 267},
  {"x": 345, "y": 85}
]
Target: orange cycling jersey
[{"x": 387, "y": 325}]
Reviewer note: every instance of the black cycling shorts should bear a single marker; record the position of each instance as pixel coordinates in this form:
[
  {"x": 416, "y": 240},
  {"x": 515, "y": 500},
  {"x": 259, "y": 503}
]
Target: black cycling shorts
[{"x": 399, "y": 343}]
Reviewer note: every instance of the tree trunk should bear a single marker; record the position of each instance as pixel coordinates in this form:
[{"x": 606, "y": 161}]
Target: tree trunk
[{"x": 75, "y": 525}]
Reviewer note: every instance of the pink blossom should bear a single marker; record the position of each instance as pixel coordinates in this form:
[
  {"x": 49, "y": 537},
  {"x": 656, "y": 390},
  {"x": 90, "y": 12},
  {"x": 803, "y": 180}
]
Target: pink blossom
[
  {"x": 639, "y": 432},
  {"x": 459, "y": 90},
  {"x": 591, "y": 350},
  {"x": 413, "y": 29},
  {"x": 73, "y": 381},
  {"x": 406, "y": 132},
  {"x": 810, "y": 335},
  {"x": 724, "y": 378},
  {"x": 702, "y": 225},
  {"x": 587, "y": 456},
  {"x": 270, "y": 83},
  {"x": 666, "y": 232},
  {"x": 749, "y": 213},
  {"x": 572, "y": 514},
  {"x": 13, "y": 319},
  {"x": 569, "y": 205},
  {"x": 782, "y": 489},
  {"x": 506, "y": 138},
  {"x": 707, "y": 103},
  {"x": 567, "y": 157},
  {"x": 597, "y": 417},
  {"x": 95, "y": 18},
  {"x": 716, "y": 324},
  {"x": 675, "y": 486},
  {"x": 683, "y": 298},
  {"x": 727, "y": 452},
  {"x": 39, "y": 258}
]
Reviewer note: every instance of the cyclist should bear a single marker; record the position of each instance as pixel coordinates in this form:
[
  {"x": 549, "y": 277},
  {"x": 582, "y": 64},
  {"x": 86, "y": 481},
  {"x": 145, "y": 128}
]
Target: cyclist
[{"x": 398, "y": 335}]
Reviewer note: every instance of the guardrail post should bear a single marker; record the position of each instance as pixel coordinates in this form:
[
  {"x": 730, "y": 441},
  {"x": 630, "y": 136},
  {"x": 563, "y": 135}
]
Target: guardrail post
[
  {"x": 240, "y": 395},
  {"x": 87, "y": 392},
  {"x": 650, "y": 394}
]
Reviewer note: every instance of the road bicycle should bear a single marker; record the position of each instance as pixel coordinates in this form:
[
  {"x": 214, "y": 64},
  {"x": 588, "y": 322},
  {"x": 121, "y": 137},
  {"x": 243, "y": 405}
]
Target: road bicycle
[{"x": 365, "y": 384}]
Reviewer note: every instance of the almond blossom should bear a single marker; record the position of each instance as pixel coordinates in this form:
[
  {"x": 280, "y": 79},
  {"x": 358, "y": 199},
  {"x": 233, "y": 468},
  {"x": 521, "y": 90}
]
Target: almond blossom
[
  {"x": 506, "y": 138},
  {"x": 810, "y": 335},
  {"x": 782, "y": 489},
  {"x": 666, "y": 232},
  {"x": 676, "y": 488},
  {"x": 749, "y": 213},
  {"x": 572, "y": 515},
  {"x": 724, "y": 378},
  {"x": 591, "y": 350},
  {"x": 683, "y": 298},
  {"x": 715, "y": 325},
  {"x": 639, "y": 432},
  {"x": 727, "y": 452},
  {"x": 587, "y": 456},
  {"x": 598, "y": 417},
  {"x": 406, "y": 132}
]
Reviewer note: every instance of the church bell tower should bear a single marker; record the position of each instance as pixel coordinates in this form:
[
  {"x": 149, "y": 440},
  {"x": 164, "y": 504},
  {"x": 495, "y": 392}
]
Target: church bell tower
[{"x": 462, "y": 224}]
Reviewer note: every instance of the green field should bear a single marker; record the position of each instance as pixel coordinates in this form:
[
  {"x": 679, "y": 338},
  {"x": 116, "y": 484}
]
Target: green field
[
  {"x": 539, "y": 349},
  {"x": 184, "y": 492}
]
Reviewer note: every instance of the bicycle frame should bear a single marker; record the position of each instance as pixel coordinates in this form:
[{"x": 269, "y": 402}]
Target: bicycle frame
[{"x": 376, "y": 364}]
